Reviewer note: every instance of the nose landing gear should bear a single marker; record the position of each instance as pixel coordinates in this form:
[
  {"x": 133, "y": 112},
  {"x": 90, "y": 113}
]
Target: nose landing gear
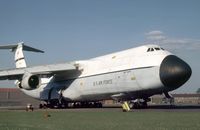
[{"x": 170, "y": 98}]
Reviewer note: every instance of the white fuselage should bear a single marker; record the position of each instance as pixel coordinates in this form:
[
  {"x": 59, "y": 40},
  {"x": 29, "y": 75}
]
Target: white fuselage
[{"x": 133, "y": 73}]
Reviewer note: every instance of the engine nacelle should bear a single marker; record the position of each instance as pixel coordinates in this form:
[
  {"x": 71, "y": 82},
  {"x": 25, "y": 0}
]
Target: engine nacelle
[{"x": 30, "y": 81}]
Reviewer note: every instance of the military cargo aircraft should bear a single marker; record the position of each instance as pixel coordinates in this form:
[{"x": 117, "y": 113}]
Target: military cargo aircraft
[{"x": 129, "y": 76}]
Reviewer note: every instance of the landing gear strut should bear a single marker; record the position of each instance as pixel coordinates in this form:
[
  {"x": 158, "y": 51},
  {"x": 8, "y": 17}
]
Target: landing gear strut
[{"x": 170, "y": 98}]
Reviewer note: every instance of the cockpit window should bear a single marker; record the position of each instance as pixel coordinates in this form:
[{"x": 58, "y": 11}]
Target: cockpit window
[
  {"x": 150, "y": 49},
  {"x": 155, "y": 49}
]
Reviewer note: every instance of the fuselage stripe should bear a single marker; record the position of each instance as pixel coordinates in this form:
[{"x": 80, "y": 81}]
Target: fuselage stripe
[{"x": 105, "y": 73}]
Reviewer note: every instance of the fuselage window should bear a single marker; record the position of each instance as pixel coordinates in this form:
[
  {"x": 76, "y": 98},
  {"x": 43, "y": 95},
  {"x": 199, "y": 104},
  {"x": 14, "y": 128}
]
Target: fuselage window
[
  {"x": 148, "y": 49},
  {"x": 162, "y": 49}
]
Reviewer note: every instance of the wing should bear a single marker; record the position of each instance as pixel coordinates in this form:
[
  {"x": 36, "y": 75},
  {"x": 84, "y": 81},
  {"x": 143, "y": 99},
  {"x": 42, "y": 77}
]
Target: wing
[{"x": 64, "y": 70}]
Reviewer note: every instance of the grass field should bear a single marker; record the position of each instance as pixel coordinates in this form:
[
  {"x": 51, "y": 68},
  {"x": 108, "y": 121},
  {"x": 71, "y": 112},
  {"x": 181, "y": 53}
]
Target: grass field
[{"x": 99, "y": 120}]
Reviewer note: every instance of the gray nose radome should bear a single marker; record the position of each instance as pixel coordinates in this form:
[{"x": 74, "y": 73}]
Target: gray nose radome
[{"x": 174, "y": 72}]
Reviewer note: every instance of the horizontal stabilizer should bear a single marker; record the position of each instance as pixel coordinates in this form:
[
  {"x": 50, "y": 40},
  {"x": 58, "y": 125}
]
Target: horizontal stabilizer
[{"x": 24, "y": 47}]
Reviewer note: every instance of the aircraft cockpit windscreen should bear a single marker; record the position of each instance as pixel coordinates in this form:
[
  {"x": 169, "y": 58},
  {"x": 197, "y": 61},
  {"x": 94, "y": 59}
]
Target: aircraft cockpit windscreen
[{"x": 151, "y": 49}]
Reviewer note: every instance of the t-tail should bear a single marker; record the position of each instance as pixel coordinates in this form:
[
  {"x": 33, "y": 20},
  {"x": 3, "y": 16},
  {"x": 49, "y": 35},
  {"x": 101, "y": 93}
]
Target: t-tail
[{"x": 18, "y": 49}]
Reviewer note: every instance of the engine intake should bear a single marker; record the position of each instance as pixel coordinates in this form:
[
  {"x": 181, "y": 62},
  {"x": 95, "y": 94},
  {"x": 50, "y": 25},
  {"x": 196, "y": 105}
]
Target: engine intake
[{"x": 30, "y": 81}]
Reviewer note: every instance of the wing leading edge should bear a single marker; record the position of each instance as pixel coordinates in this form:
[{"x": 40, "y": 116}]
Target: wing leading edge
[{"x": 58, "y": 69}]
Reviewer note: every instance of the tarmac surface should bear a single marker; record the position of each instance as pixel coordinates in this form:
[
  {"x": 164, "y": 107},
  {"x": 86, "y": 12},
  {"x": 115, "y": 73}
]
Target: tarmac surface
[{"x": 167, "y": 108}]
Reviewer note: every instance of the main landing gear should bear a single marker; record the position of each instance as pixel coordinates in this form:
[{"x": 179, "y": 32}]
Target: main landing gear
[
  {"x": 86, "y": 105},
  {"x": 55, "y": 104},
  {"x": 135, "y": 104},
  {"x": 140, "y": 103}
]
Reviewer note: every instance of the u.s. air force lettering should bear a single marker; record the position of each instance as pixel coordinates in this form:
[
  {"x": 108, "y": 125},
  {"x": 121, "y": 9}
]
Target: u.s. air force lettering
[{"x": 102, "y": 82}]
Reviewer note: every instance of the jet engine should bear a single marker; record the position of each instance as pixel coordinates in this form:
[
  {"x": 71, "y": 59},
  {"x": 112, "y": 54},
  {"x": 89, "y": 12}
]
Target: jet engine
[{"x": 29, "y": 81}]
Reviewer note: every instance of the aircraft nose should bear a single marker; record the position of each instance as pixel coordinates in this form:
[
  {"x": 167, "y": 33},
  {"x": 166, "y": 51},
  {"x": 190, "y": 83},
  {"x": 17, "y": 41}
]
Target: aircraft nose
[{"x": 174, "y": 72}]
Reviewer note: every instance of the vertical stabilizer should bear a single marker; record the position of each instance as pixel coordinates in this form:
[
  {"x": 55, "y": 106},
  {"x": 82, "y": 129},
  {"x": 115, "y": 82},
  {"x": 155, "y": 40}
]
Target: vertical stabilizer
[{"x": 19, "y": 55}]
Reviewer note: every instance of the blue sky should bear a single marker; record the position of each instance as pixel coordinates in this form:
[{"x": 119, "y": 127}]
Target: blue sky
[{"x": 80, "y": 29}]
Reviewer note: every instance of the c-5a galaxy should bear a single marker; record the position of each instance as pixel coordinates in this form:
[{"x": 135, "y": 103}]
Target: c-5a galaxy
[{"x": 129, "y": 76}]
